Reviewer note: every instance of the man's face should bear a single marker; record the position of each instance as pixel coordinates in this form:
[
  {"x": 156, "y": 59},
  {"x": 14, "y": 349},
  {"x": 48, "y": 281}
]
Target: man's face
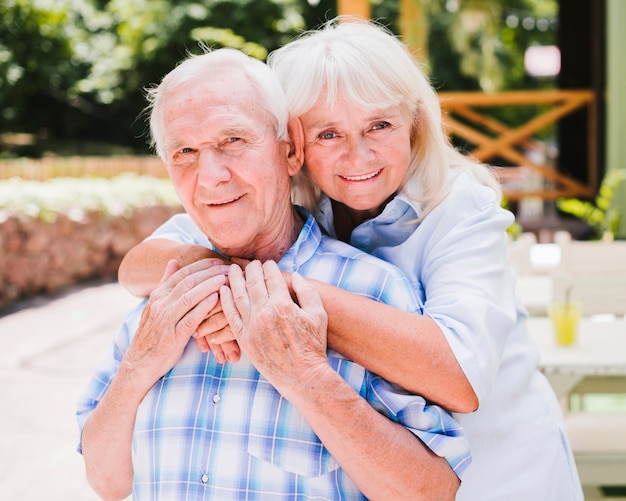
[{"x": 227, "y": 166}]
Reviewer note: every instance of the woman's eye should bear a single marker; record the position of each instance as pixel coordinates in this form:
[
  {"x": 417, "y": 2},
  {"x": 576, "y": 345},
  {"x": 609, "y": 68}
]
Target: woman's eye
[
  {"x": 381, "y": 125},
  {"x": 233, "y": 139},
  {"x": 326, "y": 135},
  {"x": 185, "y": 150}
]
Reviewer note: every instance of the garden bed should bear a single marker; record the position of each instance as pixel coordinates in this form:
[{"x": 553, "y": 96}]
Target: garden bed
[{"x": 58, "y": 233}]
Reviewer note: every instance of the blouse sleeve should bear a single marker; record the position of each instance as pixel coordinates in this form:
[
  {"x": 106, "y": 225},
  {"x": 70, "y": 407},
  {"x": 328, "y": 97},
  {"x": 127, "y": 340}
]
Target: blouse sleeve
[{"x": 466, "y": 278}]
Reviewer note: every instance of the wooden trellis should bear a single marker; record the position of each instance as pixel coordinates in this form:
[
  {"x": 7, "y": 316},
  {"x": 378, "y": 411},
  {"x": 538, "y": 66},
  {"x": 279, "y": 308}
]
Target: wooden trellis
[{"x": 465, "y": 117}]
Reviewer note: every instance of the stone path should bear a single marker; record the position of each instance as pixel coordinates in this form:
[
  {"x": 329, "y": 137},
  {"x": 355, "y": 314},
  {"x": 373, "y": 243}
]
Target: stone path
[{"x": 48, "y": 349}]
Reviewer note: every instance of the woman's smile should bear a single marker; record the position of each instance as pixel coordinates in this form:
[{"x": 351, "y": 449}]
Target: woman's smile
[{"x": 363, "y": 177}]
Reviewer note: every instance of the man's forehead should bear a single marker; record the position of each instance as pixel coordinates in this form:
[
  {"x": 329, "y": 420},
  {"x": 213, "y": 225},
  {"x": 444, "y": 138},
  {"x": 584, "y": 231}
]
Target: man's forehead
[
  {"x": 221, "y": 89},
  {"x": 201, "y": 120},
  {"x": 205, "y": 100}
]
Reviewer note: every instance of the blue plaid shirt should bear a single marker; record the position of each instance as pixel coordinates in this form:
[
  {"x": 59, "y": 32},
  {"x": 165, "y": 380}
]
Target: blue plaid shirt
[{"x": 221, "y": 431}]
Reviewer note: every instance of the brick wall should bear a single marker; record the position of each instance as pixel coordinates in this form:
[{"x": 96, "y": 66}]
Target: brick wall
[{"x": 38, "y": 257}]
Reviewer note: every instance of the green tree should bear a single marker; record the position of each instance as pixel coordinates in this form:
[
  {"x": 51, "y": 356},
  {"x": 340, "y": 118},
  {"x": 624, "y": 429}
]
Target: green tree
[
  {"x": 76, "y": 68},
  {"x": 37, "y": 68},
  {"x": 480, "y": 44}
]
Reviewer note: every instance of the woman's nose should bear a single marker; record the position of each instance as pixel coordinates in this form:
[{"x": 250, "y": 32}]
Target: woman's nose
[{"x": 359, "y": 150}]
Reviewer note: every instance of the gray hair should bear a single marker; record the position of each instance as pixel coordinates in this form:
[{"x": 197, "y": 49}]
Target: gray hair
[
  {"x": 203, "y": 67},
  {"x": 364, "y": 63}
]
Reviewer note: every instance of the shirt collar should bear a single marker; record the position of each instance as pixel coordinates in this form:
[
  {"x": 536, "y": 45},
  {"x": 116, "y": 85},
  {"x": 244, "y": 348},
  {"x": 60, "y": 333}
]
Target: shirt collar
[
  {"x": 392, "y": 226},
  {"x": 305, "y": 245}
]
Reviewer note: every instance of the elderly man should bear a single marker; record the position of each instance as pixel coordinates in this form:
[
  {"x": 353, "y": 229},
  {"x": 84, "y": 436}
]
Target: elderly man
[{"x": 290, "y": 420}]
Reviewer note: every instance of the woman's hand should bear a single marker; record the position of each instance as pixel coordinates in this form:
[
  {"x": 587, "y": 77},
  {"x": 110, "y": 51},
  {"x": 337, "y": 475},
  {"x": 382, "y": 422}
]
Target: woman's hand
[{"x": 215, "y": 334}]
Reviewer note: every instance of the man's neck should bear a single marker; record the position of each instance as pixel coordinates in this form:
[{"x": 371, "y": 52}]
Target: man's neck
[
  {"x": 276, "y": 245},
  {"x": 281, "y": 246}
]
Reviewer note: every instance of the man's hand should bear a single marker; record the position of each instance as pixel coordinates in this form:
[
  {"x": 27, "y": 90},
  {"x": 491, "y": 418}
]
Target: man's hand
[
  {"x": 214, "y": 332},
  {"x": 173, "y": 313},
  {"x": 285, "y": 340}
]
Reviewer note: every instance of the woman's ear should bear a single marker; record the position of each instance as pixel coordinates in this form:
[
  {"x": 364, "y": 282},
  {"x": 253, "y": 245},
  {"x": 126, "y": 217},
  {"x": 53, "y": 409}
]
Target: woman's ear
[{"x": 295, "y": 158}]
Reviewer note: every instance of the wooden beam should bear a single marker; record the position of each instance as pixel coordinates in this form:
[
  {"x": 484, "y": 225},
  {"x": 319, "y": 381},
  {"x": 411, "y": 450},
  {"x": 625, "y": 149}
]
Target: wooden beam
[
  {"x": 358, "y": 8},
  {"x": 414, "y": 28},
  {"x": 494, "y": 139}
]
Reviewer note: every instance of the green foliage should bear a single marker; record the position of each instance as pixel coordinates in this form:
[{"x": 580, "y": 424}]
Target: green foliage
[
  {"x": 601, "y": 215},
  {"x": 515, "y": 230},
  {"x": 475, "y": 45},
  {"x": 76, "y": 69},
  {"x": 36, "y": 62},
  {"x": 75, "y": 196},
  {"x": 226, "y": 38}
]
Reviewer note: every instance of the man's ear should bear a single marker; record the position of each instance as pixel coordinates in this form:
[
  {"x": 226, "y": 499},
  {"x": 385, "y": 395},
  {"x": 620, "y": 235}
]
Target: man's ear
[{"x": 295, "y": 158}]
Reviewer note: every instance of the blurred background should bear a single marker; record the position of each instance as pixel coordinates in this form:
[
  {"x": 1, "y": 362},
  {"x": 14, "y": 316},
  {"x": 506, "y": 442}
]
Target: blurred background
[
  {"x": 533, "y": 87},
  {"x": 72, "y": 72}
]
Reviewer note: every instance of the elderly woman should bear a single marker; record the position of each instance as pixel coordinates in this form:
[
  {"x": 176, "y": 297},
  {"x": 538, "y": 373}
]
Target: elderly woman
[{"x": 381, "y": 174}]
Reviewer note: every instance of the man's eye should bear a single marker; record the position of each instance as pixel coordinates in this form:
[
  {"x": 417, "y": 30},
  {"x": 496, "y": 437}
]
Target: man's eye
[
  {"x": 233, "y": 139},
  {"x": 327, "y": 135}
]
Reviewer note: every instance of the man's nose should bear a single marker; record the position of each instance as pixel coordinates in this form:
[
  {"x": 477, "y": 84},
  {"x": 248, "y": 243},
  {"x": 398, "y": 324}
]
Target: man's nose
[{"x": 214, "y": 168}]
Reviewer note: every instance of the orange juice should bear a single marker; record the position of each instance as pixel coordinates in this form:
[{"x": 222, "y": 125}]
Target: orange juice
[{"x": 565, "y": 319}]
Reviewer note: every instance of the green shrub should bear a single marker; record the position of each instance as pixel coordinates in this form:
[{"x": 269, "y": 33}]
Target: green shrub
[{"x": 602, "y": 215}]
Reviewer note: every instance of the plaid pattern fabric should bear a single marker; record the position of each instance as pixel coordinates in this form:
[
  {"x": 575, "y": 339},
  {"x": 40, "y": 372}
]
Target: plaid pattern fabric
[{"x": 221, "y": 431}]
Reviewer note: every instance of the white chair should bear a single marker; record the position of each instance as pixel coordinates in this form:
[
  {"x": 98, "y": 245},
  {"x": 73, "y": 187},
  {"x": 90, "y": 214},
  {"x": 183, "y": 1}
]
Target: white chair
[
  {"x": 592, "y": 256},
  {"x": 593, "y": 274},
  {"x": 519, "y": 253},
  {"x": 599, "y": 445}
]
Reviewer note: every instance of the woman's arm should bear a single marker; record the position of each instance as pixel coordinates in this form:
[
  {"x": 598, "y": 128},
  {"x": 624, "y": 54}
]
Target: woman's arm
[
  {"x": 142, "y": 268},
  {"x": 286, "y": 342},
  {"x": 407, "y": 349}
]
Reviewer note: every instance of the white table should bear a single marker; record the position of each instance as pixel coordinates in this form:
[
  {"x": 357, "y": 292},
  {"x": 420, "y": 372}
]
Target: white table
[{"x": 599, "y": 351}]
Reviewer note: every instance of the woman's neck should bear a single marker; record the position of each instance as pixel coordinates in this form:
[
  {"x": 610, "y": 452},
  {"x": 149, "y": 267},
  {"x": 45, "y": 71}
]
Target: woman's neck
[{"x": 346, "y": 219}]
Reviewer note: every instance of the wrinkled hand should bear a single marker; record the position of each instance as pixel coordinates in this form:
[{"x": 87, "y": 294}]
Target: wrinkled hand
[
  {"x": 215, "y": 333},
  {"x": 173, "y": 313},
  {"x": 286, "y": 341}
]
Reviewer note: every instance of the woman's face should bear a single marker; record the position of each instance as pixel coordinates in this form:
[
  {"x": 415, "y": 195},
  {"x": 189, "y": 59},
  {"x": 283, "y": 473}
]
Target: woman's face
[{"x": 357, "y": 157}]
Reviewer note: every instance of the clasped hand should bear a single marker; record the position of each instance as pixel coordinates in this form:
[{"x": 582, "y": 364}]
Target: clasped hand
[
  {"x": 284, "y": 339},
  {"x": 172, "y": 315}
]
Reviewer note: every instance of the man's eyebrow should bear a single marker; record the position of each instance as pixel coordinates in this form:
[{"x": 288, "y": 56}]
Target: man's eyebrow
[
  {"x": 173, "y": 145},
  {"x": 235, "y": 130}
]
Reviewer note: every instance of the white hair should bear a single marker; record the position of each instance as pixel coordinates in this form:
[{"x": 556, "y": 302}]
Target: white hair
[
  {"x": 364, "y": 63},
  {"x": 203, "y": 67}
]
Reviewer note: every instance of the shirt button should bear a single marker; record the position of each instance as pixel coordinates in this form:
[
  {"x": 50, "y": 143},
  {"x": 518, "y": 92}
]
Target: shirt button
[
  {"x": 204, "y": 478},
  {"x": 216, "y": 398}
]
